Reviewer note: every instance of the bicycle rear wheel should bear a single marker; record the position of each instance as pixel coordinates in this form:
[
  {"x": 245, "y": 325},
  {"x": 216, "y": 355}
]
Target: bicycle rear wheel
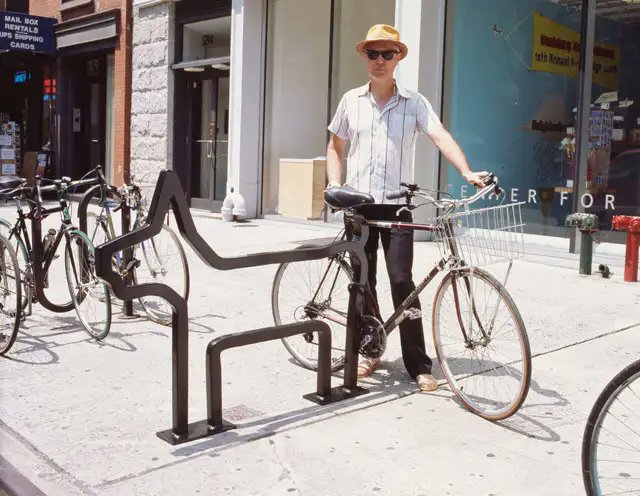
[
  {"x": 162, "y": 260},
  {"x": 611, "y": 440},
  {"x": 309, "y": 290},
  {"x": 10, "y": 296},
  {"x": 90, "y": 295},
  {"x": 489, "y": 370}
]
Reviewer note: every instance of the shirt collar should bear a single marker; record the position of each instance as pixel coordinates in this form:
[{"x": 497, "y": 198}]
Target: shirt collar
[{"x": 400, "y": 90}]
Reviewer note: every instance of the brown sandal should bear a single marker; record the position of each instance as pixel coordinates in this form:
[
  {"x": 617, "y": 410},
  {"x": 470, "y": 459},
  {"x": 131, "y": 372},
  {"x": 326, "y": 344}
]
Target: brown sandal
[
  {"x": 426, "y": 382},
  {"x": 367, "y": 366}
]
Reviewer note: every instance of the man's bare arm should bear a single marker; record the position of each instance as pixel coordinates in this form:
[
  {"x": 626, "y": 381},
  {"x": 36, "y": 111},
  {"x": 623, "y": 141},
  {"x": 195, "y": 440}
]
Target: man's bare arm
[
  {"x": 335, "y": 155},
  {"x": 454, "y": 154}
]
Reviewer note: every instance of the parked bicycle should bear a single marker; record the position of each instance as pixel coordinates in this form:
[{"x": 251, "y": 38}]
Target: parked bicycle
[
  {"x": 160, "y": 259},
  {"x": 36, "y": 254},
  {"x": 479, "y": 335},
  {"x": 611, "y": 440}
]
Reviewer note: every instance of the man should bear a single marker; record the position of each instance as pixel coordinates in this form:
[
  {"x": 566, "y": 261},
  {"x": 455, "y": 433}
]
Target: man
[{"x": 381, "y": 121}]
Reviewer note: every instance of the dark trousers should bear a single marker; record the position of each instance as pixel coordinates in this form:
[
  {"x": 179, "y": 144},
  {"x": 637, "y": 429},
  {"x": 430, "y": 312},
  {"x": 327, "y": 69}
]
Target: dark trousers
[{"x": 398, "y": 253}]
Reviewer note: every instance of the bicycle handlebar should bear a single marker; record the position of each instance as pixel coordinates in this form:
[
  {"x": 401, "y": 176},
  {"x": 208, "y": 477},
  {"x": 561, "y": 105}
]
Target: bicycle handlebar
[{"x": 410, "y": 190}]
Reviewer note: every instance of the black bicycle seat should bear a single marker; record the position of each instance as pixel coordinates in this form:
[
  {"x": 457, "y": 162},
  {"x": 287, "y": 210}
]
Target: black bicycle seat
[
  {"x": 10, "y": 182},
  {"x": 346, "y": 197}
]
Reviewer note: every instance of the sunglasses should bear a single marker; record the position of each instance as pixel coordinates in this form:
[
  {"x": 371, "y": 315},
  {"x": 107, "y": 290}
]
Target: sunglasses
[{"x": 386, "y": 54}]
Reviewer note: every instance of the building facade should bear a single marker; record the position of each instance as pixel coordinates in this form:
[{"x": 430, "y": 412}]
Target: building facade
[
  {"x": 93, "y": 85},
  {"x": 226, "y": 91}
]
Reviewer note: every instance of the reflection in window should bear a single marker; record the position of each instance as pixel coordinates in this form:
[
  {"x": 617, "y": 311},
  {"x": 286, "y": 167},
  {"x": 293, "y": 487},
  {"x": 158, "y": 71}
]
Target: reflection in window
[{"x": 511, "y": 95}]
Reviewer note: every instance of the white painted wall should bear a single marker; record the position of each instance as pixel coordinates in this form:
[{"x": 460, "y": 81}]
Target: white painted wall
[{"x": 296, "y": 87}]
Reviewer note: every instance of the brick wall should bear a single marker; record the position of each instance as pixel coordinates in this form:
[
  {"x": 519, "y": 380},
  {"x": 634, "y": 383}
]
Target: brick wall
[{"x": 122, "y": 74}]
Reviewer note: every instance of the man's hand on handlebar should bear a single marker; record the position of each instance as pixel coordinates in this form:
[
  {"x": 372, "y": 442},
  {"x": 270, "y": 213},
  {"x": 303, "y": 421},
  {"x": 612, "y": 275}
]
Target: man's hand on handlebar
[{"x": 476, "y": 178}]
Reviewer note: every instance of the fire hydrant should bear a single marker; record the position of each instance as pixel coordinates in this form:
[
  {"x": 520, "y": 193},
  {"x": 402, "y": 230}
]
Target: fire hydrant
[
  {"x": 632, "y": 227},
  {"x": 587, "y": 224}
]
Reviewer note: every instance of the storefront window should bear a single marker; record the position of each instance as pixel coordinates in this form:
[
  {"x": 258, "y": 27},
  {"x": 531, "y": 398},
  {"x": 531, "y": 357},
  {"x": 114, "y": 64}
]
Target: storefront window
[
  {"x": 207, "y": 39},
  {"x": 297, "y": 73},
  {"x": 307, "y": 73},
  {"x": 512, "y": 110},
  {"x": 352, "y": 20},
  {"x": 613, "y": 174}
]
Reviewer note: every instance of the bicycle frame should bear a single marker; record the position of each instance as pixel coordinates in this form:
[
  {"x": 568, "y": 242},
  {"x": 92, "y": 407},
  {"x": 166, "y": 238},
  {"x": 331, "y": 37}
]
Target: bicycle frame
[
  {"x": 40, "y": 264},
  {"x": 399, "y": 314}
]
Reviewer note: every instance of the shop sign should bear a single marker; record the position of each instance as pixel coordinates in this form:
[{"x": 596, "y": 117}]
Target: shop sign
[
  {"x": 556, "y": 49},
  {"x": 559, "y": 195},
  {"x": 26, "y": 32}
]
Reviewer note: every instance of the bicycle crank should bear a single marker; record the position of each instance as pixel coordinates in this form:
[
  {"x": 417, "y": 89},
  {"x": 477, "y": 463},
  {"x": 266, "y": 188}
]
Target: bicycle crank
[{"x": 373, "y": 337}]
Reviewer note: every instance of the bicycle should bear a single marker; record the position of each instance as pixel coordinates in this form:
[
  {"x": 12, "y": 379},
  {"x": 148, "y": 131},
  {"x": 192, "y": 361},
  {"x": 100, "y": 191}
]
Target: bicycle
[
  {"x": 611, "y": 439},
  {"x": 160, "y": 259},
  {"x": 88, "y": 295},
  {"x": 473, "y": 303},
  {"x": 10, "y": 295}
]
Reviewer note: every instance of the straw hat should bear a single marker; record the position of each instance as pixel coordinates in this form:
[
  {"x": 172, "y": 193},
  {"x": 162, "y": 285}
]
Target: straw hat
[{"x": 383, "y": 32}]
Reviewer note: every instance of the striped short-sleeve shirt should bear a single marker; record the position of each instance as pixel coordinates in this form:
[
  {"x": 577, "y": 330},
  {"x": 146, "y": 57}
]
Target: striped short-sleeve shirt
[{"x": 382, "y": 141}]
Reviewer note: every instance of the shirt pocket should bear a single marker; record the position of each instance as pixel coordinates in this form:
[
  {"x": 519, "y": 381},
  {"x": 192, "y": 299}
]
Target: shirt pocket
[{"x": 401, "y": 126}]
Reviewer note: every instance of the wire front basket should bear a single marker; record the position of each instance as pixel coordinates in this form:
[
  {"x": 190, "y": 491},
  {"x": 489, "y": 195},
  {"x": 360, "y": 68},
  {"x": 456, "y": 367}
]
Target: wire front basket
[{"x": 475, "y": 238}]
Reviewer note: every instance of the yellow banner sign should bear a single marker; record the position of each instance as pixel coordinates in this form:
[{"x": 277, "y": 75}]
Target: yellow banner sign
[{"x": 556, "y": 49}]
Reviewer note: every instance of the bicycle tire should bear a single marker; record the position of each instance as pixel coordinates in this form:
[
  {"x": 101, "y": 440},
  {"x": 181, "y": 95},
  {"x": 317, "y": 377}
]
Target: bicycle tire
[
  {"x": 85, "y": 293},
  {"x": 10, "y": 320},
  {"x": 456, "y": 370},
  {"x": 591, "y": 437},
  {"x": 22, "y": 255},
  {"x": 157, "y": 309},
  {"x": 308, "y": 356}
]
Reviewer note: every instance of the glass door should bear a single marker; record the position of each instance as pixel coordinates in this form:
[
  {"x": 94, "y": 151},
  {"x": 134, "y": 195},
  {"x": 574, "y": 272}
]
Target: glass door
[{"x": 209, "y": 138}]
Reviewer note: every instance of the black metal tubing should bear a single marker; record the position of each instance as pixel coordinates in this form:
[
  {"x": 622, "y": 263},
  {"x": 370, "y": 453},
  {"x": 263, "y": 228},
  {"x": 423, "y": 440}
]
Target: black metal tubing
[
  {"x": 169, "y": 192},
  {"x": 83, "y": 207},
  {"x": 215, "y": 423}
]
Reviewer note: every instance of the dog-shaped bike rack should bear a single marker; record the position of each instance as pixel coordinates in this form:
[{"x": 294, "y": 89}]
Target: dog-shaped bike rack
[{"x": 169, "y": 192}]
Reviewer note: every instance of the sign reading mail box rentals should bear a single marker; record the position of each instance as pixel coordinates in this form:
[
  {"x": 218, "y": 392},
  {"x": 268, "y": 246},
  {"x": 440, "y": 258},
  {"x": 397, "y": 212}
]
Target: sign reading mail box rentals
[{"x": 26, "y": 33}]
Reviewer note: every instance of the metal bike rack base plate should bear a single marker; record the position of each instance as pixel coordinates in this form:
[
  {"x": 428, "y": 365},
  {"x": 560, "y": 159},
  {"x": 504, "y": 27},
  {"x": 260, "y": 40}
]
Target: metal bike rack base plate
[
  {"x": 124, "y": 316},
  {"x": 197, "y": 430},
  {"x": 336, "y": 394}
]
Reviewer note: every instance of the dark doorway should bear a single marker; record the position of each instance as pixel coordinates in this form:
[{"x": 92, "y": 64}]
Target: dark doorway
[
  {"x": 84, "y": 118},
  {"x": 207, "y": 135}
]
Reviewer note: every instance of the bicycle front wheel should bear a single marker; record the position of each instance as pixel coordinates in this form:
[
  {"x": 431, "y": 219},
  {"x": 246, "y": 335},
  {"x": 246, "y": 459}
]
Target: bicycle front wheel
[
  {"x": 90, "y": 295},
  {"x": 481, "y": 343},
  {"x": 10, "y": 296},
  {"x": 162, "y": 260},
  {"x": 611, "y": 440},
  {"x": 15, "y": 241},
  {"x": 310, "y": 290}
]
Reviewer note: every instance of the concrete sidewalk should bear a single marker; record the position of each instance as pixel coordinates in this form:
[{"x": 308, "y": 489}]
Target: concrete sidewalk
[{"x": 79, "y": 417}]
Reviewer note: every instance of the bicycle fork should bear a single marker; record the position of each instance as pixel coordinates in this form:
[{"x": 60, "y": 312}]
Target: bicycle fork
[{"x": 473, "y": 311}]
